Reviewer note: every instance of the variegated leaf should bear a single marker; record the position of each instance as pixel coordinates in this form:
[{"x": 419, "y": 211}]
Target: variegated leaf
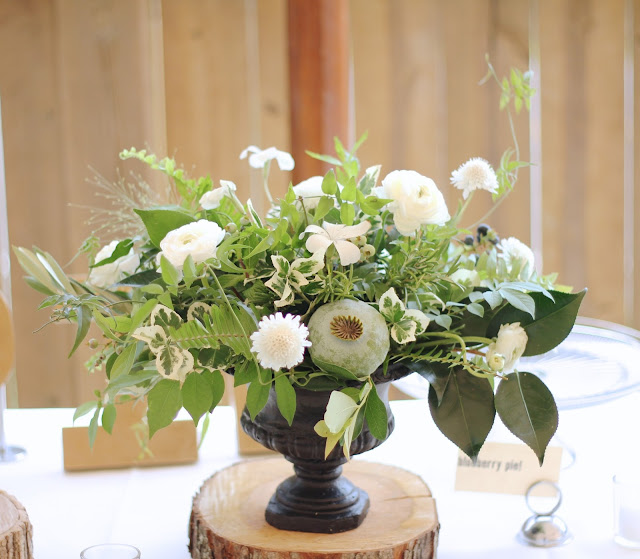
[
  {"x": 281, "y": 264},
  {"x": 154, "y": 336},
  {"x": 174, "y": 363},
  {"x": 165, "y": 317},
  {"x": 308, "y": 266},
  {"x": 391, "y": 307},
  {"x": 197, "y": 310},
  {"x": 404, "y": 331},
  {"x": 297, "y": 280},
  {"x": 286, "y": 298},
  {"x": 277, "y": 284},
  {"x": 421, "y": 319}
]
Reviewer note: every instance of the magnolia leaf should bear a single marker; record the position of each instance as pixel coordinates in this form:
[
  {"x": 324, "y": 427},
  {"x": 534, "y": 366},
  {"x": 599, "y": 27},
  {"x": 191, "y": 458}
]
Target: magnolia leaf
[
  {"x": 286, "y": 397},
  {"x": 197, "y": 396},
  {"x": 334, "y": 370},
  {"x": 123, "y": 362},
  {"x": 404, "y": 331},
  {"x": 163, "y": 403},
  {"x": 339, "y": 410},
  {"x": 109, "y": 417},
  {"x": 527, "y": 408},
  {"x": 141, "y": 279},
  {"x": 159, "y": 222},
  {"x": 390, "y": 306},
  {"x": 436, "y": 374},
  {"x": 552, "y": 324},
  {"x": 466, "y": 411},
  {"x": 375, "y": 413},
  {"x": 122, "y": 249}
]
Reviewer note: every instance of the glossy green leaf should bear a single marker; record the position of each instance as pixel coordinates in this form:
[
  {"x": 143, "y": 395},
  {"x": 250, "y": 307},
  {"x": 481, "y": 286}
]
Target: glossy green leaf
[
  {"x": 160, "y": 221},
  {"x": 216, "y": 381},
  {"x": 170, "y": 275},
  {"x": 335, "y": 370},
  {"x": 375, "y": 413},
  {"x": 527, "y": 408},
  {"x": 197, "y": 396},
  {"x": 285, "y": 397},
  {"x": 108, "y": 417},
  {"x": 164, "y": 402},
  {"x": 466, "y": 412},
  {"x": 123, "y": 362},
  {"x": 122, "y": 249},
  {"x": 258, "y": 394},
  {"x": 552, "y": 324}
]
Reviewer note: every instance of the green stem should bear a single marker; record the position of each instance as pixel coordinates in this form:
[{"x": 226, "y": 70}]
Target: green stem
[{"x": 265, "y": 181}]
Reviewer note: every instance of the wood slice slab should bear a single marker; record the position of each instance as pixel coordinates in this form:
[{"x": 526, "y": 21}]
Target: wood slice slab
[
  {"x": 16, "y": 533},
  {"x": 227, "y": 518}
]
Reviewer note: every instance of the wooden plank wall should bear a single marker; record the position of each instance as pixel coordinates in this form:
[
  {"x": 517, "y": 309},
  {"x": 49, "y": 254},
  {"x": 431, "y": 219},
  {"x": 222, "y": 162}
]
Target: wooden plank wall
[{"x": 202, "y": 79}]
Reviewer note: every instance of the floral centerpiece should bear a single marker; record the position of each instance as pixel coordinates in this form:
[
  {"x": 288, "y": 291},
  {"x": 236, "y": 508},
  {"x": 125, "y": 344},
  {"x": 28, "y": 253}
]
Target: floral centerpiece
[{"x": 346, "y": 277}]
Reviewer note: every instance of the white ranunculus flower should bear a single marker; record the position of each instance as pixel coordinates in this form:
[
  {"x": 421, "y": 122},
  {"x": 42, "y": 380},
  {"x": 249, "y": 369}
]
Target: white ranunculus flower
[
  {"x": 259, "y": 157},
  {"x": 310, "y": 190},
  {"x": 106, "y": 275},
  {"x": 279, "y": 341},
  {"x": 199, "y": 239},
  {"x": 475, "y": 173},
  {"x": 466, "y": 277},
  {"x": 512, "y": 249},
  {"x": 511, "y": 343},
  {"x": 212, "y": 199},
  {"x": 416, "y": 201}
]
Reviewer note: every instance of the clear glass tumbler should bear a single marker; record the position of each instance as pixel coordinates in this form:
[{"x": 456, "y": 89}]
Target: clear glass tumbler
[
  {"x": 111, "y": 551},
  {"x": 626, "y": 510}
]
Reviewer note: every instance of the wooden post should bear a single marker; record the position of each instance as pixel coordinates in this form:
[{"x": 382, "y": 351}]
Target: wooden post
[{"x": 318, "y": 80}]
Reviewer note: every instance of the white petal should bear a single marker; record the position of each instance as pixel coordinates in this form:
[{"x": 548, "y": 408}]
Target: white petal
[
  {"x": 285, "y": 161},
  {"x": 315, "y": 229},
  {"x": 249, "y": 149},
  {"x": 229, "y": 184},
  {"x": 318, "y": 243},
  {"x": 349, "y": 253}
]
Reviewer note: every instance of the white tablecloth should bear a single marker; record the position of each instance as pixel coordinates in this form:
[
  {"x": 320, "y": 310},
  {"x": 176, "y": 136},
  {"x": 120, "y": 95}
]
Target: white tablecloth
[{"x": 149, "y": 507}]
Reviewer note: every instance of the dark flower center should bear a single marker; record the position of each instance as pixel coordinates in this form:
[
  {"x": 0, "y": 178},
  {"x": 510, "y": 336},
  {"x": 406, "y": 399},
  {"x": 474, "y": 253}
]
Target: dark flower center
[{"x": 346, "y": 327}]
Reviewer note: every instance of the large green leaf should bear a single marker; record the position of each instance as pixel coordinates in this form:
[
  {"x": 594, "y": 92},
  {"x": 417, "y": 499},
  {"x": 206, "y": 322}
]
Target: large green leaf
[
  {"x": 123, "y": 362},
  {"x": 528, "y": 410},
  {"x": 258, "y": 394},
  {"x": 160, "y": 221},
  {"x": 376, "y": 415},
  {"x": 216, "y": 381},
  {"x": 552, "y": 324},
  {"x": 164, "y": 402},
  {"x": 466, "y": 412},
  {"x": 197, "y": 396},
  {"x": 285, "y": 398}
]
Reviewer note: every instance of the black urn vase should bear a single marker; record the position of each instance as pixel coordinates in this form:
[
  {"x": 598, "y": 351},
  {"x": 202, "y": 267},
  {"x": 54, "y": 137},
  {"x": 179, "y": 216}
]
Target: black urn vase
[{"x": 317, "y": 498}]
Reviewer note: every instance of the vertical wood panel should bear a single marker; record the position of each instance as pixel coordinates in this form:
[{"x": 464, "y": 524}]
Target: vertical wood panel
[
  {"x": 77, "y": 88},
  {"x": 636, "y": 155}
]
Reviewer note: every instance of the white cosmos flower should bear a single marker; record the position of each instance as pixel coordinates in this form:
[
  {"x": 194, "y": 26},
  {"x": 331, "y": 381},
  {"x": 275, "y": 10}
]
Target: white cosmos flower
[
  {"x": 106, "y": 275},
  {"x": 212, "y": 199},
  {"x": 475, "y": 173},
  {"x": 513, "y": 249},
  {"x": 259, "y": 157},
  {"x": 279, "y": 341},
  {"x": 200, "y": 239},
  {"x": 336, "y": 235},
  {"x": 416, "y": 201},
  {"x": 508, "y": 348}
]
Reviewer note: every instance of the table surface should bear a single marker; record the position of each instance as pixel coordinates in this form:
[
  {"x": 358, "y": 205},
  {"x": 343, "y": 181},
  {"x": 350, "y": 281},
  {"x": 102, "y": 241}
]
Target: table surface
[{"x": 150, "y": 507}]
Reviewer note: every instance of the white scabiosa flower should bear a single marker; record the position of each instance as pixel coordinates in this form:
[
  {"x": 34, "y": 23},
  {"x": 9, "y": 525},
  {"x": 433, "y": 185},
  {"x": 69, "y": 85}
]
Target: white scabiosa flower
[
  {"x": 200, "y": 239},
  {"x": 416, "y": 201},
  {"x": 474, "y": 174},
  {"x": 279, "y": 341},
  {"x": 212, "y": 199},
  {"x": 104, "y": 276},
  {"x": 260, "y": 157},
  {"x": 508, "y": 348},
  {"x": 512, "y": 249}
]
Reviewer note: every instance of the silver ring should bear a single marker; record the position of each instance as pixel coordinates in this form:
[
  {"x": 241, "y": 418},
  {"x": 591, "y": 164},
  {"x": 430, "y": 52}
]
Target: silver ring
[{"x": 554, "y": 508}]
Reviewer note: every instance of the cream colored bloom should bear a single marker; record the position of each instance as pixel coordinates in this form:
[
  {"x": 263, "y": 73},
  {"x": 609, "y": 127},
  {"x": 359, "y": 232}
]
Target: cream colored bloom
[
  {"x": 416, "y": 201},
  {"x": 104, "y": 276},
  {"x": 280, "y": 341},
  {"x": 512, "y": 249},
  {"x": 310, "y": 190},
  {"x": 510, "y": 345},
  {"x": 336, "y": 235},
  {"x": 212, "y": 199},
  {"x": 199, "y": 239},
  {"x": 474, "y": 174},
  {"x": 259, "y": 157}
]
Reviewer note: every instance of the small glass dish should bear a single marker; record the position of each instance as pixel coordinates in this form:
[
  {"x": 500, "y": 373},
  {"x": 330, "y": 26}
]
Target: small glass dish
[{"x": 111, "y": 551}]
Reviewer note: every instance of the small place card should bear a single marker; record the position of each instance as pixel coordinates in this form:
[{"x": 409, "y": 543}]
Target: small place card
[{"x": 508, "y": 468}]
